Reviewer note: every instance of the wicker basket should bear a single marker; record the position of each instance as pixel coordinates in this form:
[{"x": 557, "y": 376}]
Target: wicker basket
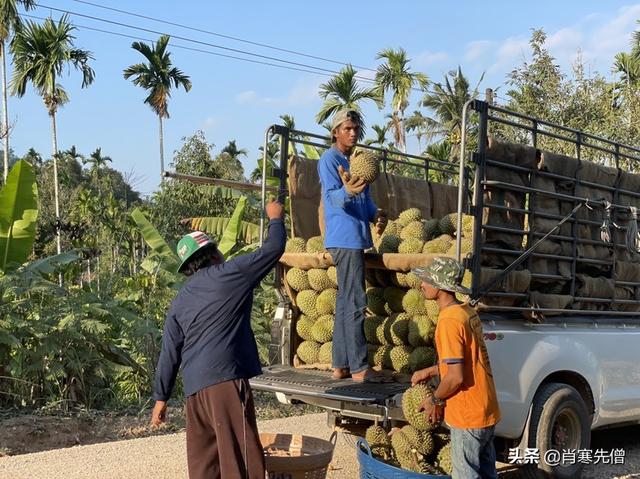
[
  {"x": 291, "y": 456},
  {"x": 372, "y": 468}
]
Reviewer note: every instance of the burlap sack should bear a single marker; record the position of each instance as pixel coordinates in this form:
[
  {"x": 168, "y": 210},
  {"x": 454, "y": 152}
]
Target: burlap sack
[
  {"x": 629, "y": 183},
  {"x": 514, "y": 282},
  {"x": 520, "y": 155},
  {"x": 626, "y": 293},
  {"x": 626, "y": 271},
  {"x": 546, "y": 301},
  {"x": 444, "y": 199},
  {"x": 594, "y": 287},
  {"x": 600, "y": 175}
]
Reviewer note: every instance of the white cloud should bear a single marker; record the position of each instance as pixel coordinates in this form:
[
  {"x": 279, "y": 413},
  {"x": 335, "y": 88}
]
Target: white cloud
[
  {"x": 302, "y": 93},
  {"x": 614, "y": 36},
  {"x": 429, "y": 58},
  {"x": 509, "y": 53},
  {"x": 477, "y": 49},
  {"x": 246, "y": 97}
]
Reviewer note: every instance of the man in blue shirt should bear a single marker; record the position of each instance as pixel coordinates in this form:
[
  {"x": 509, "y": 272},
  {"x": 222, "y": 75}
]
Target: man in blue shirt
[
  {"x": 208, "y": 332},
  {"x": 348, "y": 210}
]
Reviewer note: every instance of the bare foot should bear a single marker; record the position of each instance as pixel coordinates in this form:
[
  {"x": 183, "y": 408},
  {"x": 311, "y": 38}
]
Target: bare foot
[
  {"x": 341, "y": 373},
  {"x": 370, "y": 376}
]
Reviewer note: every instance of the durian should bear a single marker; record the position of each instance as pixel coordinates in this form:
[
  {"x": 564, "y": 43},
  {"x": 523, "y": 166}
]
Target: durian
[
  {"x": 365, "y": 165},
  {"x": 308, "y": 352}
]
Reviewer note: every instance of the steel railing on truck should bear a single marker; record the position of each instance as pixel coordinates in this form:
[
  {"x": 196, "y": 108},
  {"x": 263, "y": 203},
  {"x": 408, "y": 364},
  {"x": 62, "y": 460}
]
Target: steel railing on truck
[{"x": 586, "y": 147}]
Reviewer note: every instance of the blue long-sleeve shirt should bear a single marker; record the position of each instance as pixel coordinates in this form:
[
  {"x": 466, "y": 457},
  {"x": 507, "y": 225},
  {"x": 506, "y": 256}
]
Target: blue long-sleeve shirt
[
  {"x": 346, "y": 217},
  {"x": 208, "y": 326}
]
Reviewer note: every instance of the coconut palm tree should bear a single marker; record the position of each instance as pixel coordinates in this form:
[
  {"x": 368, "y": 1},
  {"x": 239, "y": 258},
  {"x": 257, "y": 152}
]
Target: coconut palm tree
[
  {"x": 628, "y": 65},
  {"x": 380, "y": 138},
  {"x": 97, "y": 161},
  {"x": 40, "y": 55},
  {"x": 342, "y": 91},
  {"x": 447, "y": 102},
  {"x": 157, "y": 77},
  {"x": 9, "y": 22},
  {"x": 395, "y": 76}
]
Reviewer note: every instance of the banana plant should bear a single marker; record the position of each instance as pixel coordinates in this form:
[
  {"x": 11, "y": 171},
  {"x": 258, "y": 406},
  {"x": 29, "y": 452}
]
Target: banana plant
[
  {"x": 216, "y": 225},
  {"x": 18, "y": 215}
]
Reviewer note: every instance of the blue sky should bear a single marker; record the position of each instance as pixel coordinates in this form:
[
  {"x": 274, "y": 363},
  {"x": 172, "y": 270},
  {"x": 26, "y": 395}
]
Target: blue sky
[{"x": 237, "y": 100}]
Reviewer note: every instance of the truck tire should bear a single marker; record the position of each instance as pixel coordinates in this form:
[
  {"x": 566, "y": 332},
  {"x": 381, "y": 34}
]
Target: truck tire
[{"x": 559, "y": 421}]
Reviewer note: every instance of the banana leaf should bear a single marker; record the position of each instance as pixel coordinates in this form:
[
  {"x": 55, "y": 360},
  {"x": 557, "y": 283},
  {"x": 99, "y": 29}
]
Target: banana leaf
[
  {"x": 50, "y": 264},
  {"x": 18, "y": 215},
  {"x": 233, "y": 229},
  {"x": 216, "y": 225},
  {"x": 168, "y": 259},
  {"x": 311, "y": 152}
]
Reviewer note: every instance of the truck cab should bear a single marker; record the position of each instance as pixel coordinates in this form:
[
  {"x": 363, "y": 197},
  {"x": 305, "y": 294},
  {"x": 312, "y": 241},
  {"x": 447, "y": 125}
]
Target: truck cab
[{"x": 563, "y": 348}]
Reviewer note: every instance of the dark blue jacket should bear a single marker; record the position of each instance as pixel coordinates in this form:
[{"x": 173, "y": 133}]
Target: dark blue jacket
[{"x": 208, "y": 326}]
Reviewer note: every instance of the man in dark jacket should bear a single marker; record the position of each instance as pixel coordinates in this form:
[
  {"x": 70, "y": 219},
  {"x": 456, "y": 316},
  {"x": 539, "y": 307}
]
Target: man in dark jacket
[{"x": 208, "y": 332}]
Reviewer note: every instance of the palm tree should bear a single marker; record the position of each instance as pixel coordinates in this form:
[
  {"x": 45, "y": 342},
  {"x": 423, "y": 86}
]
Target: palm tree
[
  {"x": 381, "y": 136},
  {"x": 421, "y": 125},
  {"x": 342, "y": 91},
  {"x": 628, "y": 65},
  {"x": 40, "y": 55},
  {"x": 9, "y": 22},
  {"x": 97, "y": 161},
  {"x": 227, "y": 163},
  {"x": 395, "y": 76},
  {"x": 447, "y": 102},
  {"x": 157, "y": 76}
]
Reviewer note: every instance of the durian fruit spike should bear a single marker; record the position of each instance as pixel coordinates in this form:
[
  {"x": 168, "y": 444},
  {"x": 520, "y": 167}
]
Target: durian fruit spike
[
  {"x": 364, "y": 164},
  {"x": 303, "y": 327},
  {"x": 447, "y": 224},
  {"x": 422, "y": 357},
  {"x": 439, "y": 245},
  {"x": 326, "y": 301},
  {"x": 413, "y": 281},
  {"x": 399, "y": 356},
  {"x": 400, "y": 280},
  {"x": 422, "y": 441},
  {"x": 376, "y": 301},
  {"x": 415, "y": 229},
  {"x": 432, "y": 310},
  {"x": 306, "y": 302},
  {"x": 392, "y": 229},
  {"x": 332, "y": 273},
  {"x": 371, "y": 324},
  {"x": 413, "y": 302},
  {"x": 393, "y": 297},
  {"x": 298, "y": 279},
  {"x": 421, "y": 331},
  {"x": 406, "y": 454},
  {"x": 319, "y": 279},
  {"x": 295, "y": 245},
  {"x": 397, "y": 329},
  {"x": 444, "y": 459},
  {"x": 308, "y": 352},
  {"x": 381, "y": 356},
  {"x": 377, "y": 436},
  {"x": 432, "y": 228},
  {"x": 381, "y": 331},
  {"x": 322, "y": 329},
  {"x": 411, "y": 246},
  {"x": 411, "y": 400},
  {"x": 315, "y": 244},
  {"x": 409, "y": 215},
  {"x": 325, "y": 353},
  {"x": 389, "y": 244}
]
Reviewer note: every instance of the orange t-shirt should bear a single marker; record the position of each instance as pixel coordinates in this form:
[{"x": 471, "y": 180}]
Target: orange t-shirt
[{"x": 459, "y": 339}]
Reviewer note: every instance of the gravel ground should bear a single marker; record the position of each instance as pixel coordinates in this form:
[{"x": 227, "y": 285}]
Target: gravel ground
[{"x": 164, "y": 456}]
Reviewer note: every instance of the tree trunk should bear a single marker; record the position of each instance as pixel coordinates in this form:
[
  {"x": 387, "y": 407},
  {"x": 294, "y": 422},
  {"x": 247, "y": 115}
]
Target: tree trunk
[
  {"x": 161, "y": 149},
  {"x": 5, "y": 113},
  {"x": 56, "y": 197}
]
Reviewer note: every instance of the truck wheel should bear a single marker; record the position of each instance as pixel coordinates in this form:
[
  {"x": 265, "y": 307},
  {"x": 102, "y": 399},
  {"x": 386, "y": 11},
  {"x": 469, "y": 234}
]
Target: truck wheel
[{"x": 559, "y": 421}]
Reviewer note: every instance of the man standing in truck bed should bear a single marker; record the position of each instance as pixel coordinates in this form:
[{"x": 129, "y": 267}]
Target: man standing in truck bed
[
  {"x": 208, "y": 331},
  {"x": 466, "y": 382},
  {"x": 348, "y": 210}
]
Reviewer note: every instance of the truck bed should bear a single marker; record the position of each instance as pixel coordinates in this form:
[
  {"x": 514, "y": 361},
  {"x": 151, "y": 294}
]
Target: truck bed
[{"x": 311, "y": 383}]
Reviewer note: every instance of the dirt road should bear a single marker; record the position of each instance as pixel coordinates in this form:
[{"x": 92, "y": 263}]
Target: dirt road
[{"x": 164, "y": 456}]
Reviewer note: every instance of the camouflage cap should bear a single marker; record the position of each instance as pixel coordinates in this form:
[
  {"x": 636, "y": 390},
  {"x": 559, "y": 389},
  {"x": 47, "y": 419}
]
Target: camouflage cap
[
  {"x": 343, "y": 115},
  {"x": 443, "y": 273}
]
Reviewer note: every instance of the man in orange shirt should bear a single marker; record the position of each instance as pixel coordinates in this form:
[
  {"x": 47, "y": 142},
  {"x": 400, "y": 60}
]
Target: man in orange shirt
[{"x": 466, "y": 394}]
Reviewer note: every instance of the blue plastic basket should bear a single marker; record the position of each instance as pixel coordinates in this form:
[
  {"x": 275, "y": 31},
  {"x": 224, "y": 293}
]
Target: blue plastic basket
[{"x": 372, "y": 468}]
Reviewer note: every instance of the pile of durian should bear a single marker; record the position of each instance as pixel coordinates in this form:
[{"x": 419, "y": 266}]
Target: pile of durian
[
  {"x": 419, "y": 446},
  {"x": 400, "y": 323}
]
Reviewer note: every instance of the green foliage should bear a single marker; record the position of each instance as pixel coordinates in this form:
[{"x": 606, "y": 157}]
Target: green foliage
[{"x": 18, "y": 214}]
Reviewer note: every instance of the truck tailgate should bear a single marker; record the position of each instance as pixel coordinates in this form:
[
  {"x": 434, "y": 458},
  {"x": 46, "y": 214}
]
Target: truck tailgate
[{"x": 310, "y": 383}]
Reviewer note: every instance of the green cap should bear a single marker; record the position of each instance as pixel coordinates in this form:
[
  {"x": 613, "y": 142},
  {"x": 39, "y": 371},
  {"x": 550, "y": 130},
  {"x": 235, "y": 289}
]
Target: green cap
[
  {"x": 190, "y": 244},
  {"x": 443, "y": 273}
]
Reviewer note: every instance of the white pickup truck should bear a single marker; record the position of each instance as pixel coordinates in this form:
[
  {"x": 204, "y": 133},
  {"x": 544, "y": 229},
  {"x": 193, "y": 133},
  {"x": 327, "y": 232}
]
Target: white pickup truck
[{"x": 558, "y": 377}]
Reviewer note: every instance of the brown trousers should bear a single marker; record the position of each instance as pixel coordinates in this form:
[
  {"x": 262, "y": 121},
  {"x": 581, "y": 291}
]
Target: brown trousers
[{"x": 222, "y": 434}]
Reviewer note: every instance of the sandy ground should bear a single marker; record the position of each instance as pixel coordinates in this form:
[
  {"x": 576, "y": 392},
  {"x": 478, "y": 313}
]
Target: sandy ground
[{"x": 164, "y": 456}]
